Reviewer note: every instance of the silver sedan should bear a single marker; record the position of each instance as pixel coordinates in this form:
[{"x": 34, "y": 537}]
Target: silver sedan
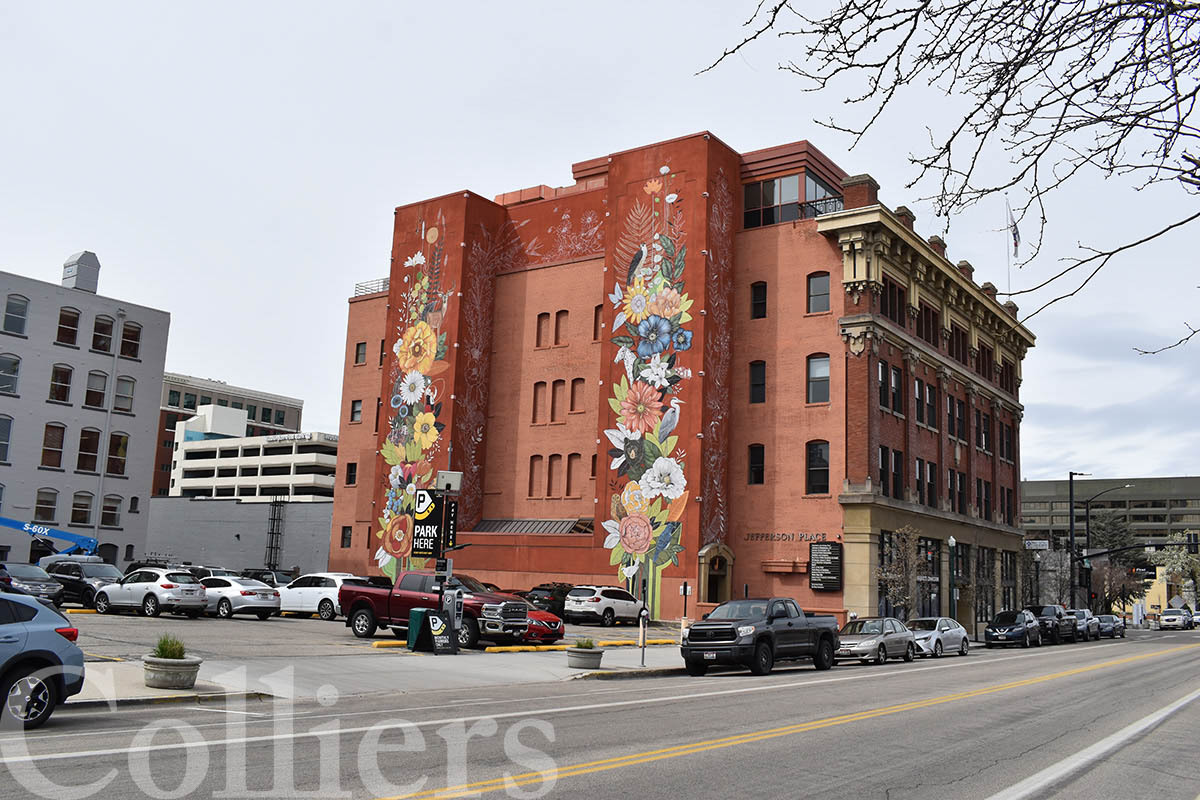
[
  {"x": 937, "y": 635},
  {"x": 875, "y": 639},
  {"x": 229, "y": 595}
]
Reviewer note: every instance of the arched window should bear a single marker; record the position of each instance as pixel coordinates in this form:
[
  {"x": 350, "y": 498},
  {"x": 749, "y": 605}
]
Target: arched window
[
  {"x": 123, "y": 396},
  {"x": 758, "y": 381},
  {"x": 102, "y": 334},
  {"x": 817, "y": 466},
  {"x": 81, "y": 508},
  {"x": 535, "y": 476},
  {"x": 97, "y": 389},
  {"x": 554, "y": 476},
  {"x": 46, "y": 508},
  {"x": 5, "y": 437},
  {"x": 543, "y": 330},
  {"x": 558, "y": 397},
  {"x": 757, "y": 459},
  {"x": 89, "y": 450},
  {"x": 16, "y": 313},
  {"x": 118, "y": 445},
  {"x": 129, "y": 552},
  {"x": 52, "y": 444},
  {"x": 68, "y": 326},
  {"x": 574, "y": 475},
  {"x": 110, "y": 512},
  {"x": 818, "y": 378},
  {"x": 539, "y": 402},
  {"x": 131, "y": 340},
  {"x": 60, "y": 383},
  {"x": 10, "y": 373},
  {"x": 758, "y": 300},
  {"x": 576, "y": 394},
  {"x": 560, "y": 327},
  {"x": 818, "y": 292}
]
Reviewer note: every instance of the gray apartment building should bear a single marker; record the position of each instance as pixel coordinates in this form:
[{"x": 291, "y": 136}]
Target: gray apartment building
[
  {"x": 1154, "y": 507},
  {"x": 80, "y": 381}
]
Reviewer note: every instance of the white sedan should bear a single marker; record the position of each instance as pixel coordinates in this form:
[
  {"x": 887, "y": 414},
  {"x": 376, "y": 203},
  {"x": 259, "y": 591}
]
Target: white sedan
[
  {"x": 229, "y": 595},
  {"x": 315, "y": 593}
]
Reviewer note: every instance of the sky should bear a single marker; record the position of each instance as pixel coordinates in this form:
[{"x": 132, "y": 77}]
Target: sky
[{"x": 237, "y": 164}]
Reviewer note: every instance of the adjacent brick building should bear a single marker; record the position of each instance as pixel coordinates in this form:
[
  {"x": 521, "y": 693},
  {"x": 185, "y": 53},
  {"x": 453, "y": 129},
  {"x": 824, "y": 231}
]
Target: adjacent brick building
[{"x": 690, "y": 365}]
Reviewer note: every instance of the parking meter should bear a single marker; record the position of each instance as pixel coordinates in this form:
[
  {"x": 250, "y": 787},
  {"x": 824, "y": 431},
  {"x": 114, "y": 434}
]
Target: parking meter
[{"x": 452, "y": 604}]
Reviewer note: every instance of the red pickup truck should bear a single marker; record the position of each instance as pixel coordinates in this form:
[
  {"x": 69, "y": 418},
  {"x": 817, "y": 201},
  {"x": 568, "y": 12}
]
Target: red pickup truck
[{"x": 486, "y": 614}]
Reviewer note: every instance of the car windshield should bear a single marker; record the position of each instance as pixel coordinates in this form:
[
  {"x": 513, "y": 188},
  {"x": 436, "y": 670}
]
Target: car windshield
[
  {"x": 466, "y": 582},
  {"x": 101, "y": 571},
  {"x": 862, "y": 626},
  {"x": 1077, "y": 614},
  {"x": 181, "y": 577},
  {"x": 1043, "y": 611},
  {"x": 922, "y": 624},
  {"x": 740, "y": 609},
  {"x": 250, "y": 583},
  {"x": 1107, "y": 618},
  {"x": 581, "y": 593},
  {"x": 539, "y": 593},
  {"x": 27, "y": 572},
  {"x": 1005, "y": 618}
]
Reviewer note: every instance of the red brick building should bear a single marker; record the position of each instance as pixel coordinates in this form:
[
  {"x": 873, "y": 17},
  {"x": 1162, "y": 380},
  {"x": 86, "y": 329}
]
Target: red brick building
[{"x": 690, "y": 365}]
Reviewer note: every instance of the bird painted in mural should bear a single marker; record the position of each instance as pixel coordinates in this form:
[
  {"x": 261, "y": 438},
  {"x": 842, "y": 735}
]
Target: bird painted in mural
[
  {"x": 669, "y": 420},
  {"x": 634, "y": 263}
]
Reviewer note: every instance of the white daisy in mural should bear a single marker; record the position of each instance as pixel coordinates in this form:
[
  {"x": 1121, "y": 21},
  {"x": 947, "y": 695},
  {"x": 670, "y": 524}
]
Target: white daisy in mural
[
  {"x": 671, "y": 198},
  {"x": 412, "y": 389},
  {"x": 664, "y": 478},
  {"x": 655, "y": 373},
  {"x": 415, "y": 260},
  {"x": 664, "y": 169},
  {"x": 395, "y": 476}
]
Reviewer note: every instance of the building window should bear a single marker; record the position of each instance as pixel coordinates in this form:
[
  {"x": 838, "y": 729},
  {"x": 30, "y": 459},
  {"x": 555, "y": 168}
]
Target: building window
[
  {"x": 984, "y": 362},
  {"x": 110, "y": 512},
  {"x": 558, "y": 398},
  {"x": 205, "y": 400},
  {"x": 574, "y": 475},
  {"x": 131, "y": 340},
  {"x": 758, "y": 300},
  {"x": 892, "y": 301},
  {"x": 758, "y": 381},
  {"x": 884, "y": 395},
  {"x": 978, "y": 429},
  {"x": 818, "y": 378},
  {"x": 931, "y": 489},
  {"x": 757, "y": 471},
  {"x": 173, "y": 398},
  {"x": 919, "y": 399},
  {"x": 360, "y": 353},
  {"x": 920, "y": 481},
  {"x": 60, "y": 383},
  {"x": 817, "y": 468},
  {"x": 593, "y": 473},
  {"x": 818, "y": 292},
  {"x": 577, "y": 394},
  {"x": 189, "y": 401},
  {"x": 931, "y": 406},
  {"x": 129, "y": 552},
  {"x": 251, "y": 412},
  {"x": 118, "y": 447},
  {"x": 554, "y": 476},
  {"x": 987, "y": 433},
  {"x": 539, "y": 403},
  {"x": 5, "y": 437},
  {"x": 4, "y": 549},
  {"x": 355, "y": 411},
  {"x": 123, "y": 394},
  {"x": 347, "y": 535},
  {"x": 885, "y": 464},
  {"x": 222, "y": 402},
  {"x": 81, "y": 508},
  {"x": 898, "y": 474},
  {"x": 819, "y": 197},
  {"x": 929, "y": 324},
  {"x": 929, "y": 578},
  {"x": 543, "y": 330},
  {"x": 985, "y": 584},
  {"x": 52, "y": 445},
  {"x": 983, "y": 498},
  {"x": 238, "y": 405},
  {"x": 16, "y": 313},
  {"x": 771, "y": 201},
  {"x": 897, "y": 390},
  {"x": 1008, "y": 579},
  {"x": 89, "y": 450},
  {"x": 597, "y": 322},
  {"x": 560, "y": 327},
  {"x": 351, "y": 473},
  {"x": 959, "y": 349},
  {"x": 10, "y": 373},
  {"x": 46, "y": 507},
  {"x": 962, "y": 493},
  {"x": 951, "y": 425},
  {"x": 1008, "y": 376},
  {"x": 133, "y": 505},
  {"x": 97, "y": 388},
  {"x": 535, "y": 476},
  {"x": 279, "y": 416},
  {"x": 102, "y": 334},
  {"x": 68, "y": 326}
]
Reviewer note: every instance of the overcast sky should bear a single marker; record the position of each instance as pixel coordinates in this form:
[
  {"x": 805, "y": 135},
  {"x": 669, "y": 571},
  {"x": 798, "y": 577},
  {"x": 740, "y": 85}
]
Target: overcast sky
[{"x": 237, "y": 164}]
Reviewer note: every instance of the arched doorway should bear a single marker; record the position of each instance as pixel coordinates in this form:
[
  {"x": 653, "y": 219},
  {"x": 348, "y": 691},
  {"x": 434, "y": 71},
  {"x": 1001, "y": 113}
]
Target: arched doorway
[
  {"x": 39, "y": 549},
  {"x": 108, "y": 551},
  {"x": 716, "y": 572}
]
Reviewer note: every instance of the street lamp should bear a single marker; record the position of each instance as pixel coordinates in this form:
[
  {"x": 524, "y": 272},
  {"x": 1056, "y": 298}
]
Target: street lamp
[
  {"x": 953, "y": 600},
  {"x": 1037, "y": 579},
  {"x": 1087, "y": 526},
  {"x": 1071, "y": 529}
]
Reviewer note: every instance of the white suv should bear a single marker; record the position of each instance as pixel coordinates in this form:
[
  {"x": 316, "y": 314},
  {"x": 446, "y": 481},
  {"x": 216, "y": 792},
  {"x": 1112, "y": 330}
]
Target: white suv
[
  {"x": 153, "y": 590},
  {"x": 606, "y": 604},
  {"x": 316, "y": 592},
  {"x": 1174, "y": 618}
]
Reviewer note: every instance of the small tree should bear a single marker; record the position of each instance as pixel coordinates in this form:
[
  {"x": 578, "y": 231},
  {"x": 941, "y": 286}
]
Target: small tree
[
  {"x": 1056, "y": 576},
  {"x": 1116, "y": 583},
  {"x": 1108, "y": 531},
  {"x": 901, "y": 566},
  {"x": 1179, "y": 565}
]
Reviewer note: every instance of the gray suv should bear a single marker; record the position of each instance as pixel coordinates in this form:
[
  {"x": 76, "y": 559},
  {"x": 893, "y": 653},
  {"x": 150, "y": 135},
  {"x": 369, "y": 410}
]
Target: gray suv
[{"x": 40, "y": 663}]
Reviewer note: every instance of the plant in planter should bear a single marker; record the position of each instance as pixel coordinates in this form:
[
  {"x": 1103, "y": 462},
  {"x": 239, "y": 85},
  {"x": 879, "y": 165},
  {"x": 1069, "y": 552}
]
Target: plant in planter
[
  {"x": 584, "y": 655},
  {"x": 169, "y": 666}
]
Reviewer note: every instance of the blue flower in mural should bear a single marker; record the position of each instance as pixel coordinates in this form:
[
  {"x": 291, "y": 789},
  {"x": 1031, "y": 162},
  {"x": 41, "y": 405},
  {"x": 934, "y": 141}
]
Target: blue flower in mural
[
  {"x": 655, "y": 333},
  {"x": 682, "y": 339},
  {"x": 396, "y": 401}
]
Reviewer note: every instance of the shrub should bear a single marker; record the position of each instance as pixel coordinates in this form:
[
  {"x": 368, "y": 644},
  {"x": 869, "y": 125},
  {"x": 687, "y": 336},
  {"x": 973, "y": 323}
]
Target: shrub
[
  {"x": 584, "y": 644},
  {"x": 169, "y": 647}
]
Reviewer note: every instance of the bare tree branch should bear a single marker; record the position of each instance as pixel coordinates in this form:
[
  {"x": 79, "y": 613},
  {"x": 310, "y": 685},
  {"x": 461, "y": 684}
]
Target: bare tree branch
[{"x": 1191, "y": 332}]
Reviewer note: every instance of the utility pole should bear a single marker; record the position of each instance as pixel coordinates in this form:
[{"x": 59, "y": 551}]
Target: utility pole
[{"x": 1071, "y": 529}]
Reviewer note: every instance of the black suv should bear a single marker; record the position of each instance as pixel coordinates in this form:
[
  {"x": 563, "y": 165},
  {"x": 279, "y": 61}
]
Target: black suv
[
  {"x": 549, "y": 596},
  {"x": 1013, "y": 627},
  {"x": 81, "y": 579},
  {"x": 1055, "y": 622}
]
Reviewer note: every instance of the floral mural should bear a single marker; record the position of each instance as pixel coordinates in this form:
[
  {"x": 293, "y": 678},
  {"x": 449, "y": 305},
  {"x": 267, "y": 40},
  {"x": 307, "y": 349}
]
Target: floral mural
[{"x": 650, "y": 329}]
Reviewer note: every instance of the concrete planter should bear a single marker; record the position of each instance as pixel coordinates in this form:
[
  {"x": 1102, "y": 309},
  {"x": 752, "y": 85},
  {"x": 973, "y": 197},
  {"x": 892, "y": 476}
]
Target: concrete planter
[
  {"x": 580, "y": 658},
  {"x": 171, "y": 673}
]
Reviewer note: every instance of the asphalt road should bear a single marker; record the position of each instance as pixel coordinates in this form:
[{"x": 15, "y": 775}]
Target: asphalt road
[{"x": 1111, "y": 719}]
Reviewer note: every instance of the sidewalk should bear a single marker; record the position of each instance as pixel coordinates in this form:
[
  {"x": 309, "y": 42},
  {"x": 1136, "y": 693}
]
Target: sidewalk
[{"x": 123, "y": 683}]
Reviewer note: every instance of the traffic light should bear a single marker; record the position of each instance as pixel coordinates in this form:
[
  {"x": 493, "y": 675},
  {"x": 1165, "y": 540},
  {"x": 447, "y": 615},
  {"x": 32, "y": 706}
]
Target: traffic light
[{"x": 1093, "y": 594}]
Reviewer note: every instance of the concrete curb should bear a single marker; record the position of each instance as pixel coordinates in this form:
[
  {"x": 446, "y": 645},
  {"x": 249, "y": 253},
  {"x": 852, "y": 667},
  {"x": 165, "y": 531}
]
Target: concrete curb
[
  {"x": 634, "y": 672},
  {"x": 210, "y": 697}
]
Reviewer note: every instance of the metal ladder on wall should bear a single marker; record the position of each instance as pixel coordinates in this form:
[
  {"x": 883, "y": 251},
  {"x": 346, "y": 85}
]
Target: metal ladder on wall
[{"x": 274, "y": 534}]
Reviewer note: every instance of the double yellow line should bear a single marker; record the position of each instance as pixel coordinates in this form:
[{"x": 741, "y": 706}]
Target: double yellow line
[{"x": 498, "y": 784}]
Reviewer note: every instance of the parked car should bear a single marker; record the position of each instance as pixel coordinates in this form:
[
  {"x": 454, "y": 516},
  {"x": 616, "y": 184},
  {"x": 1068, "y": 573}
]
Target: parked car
[
  {"x": 875, "y": 639},
  {"x": 1173, "y": 618},
  {"x": 40, "y": 664},
  {"x": 1086, "y": 624},
  {"x": 228, "y": 596},
  {"x": 152, "y": 590},
  {"x": 35, "y": 581},
  {"x": 607, "y": 605},
  {"x": 1013, "y": 627},
  {"x": 81, "y": 579},
  {"x": 937, "y": 635},
  {"x": 757, "y": 633},
  {"x": 1111, "y": 626},
  {"x": 495, "y": 617},
  {"x": 544, "y": 627},
  {"x": 550, "y": 597},
  {"x": 45, "y": 562},
  {"x": 315, "y": 593},
  {"x": 271, "y": 577},
  {"x": 154, "y": 563},
  {"x": 210, "y": 572},
  {"x": 1056, "y": 624}
]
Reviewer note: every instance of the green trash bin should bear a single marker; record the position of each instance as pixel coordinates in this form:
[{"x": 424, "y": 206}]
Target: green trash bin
[{"x": 418, "y": 630}]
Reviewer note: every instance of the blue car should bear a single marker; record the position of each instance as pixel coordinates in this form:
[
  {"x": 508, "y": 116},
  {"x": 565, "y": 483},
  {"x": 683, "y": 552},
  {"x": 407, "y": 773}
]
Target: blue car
[{"x": 40, "y": 664}]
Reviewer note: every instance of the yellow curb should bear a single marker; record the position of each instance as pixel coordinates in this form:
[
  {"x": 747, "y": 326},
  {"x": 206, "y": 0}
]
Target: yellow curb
[
  {"x": 633, "y": 643},
  {"x": 106, "y": 658},
  {"x": 549, "y": 647},
  {"x": 386, "y": 644},
  {"x": 79, "y": 610}
]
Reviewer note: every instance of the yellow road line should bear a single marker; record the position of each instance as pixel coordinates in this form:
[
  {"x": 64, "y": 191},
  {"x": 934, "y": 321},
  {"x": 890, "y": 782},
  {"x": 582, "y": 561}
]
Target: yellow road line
[
  {"x": 105, "y": 658},
  {"x": 603, "y": 765}
]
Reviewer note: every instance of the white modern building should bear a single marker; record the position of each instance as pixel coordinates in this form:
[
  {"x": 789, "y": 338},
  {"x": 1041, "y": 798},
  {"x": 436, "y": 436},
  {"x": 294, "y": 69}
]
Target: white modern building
[
  {"x": 211, "y": 459},
  {"x": 79, "y": 389}
]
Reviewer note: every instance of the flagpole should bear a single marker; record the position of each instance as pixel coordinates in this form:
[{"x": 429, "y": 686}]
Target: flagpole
[{"x": 1007, "y": 236}]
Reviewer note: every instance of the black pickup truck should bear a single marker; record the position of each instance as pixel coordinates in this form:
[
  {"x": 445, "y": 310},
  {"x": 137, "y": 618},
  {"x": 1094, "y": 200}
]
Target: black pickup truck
[
  {"x": 1055, "y": 622},
  {"x": 756, "y": 633}
]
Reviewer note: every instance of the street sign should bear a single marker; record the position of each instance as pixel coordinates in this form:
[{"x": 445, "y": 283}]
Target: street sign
[
  {"x": 685, "y": 589},
  {"x": 825, "y": 566},
  {"x": 441, "y": 632},
  {"x": 1037, "y": 544},
  {"x": 427, "y": 519},
  {"x": 1176, "y": 602}
]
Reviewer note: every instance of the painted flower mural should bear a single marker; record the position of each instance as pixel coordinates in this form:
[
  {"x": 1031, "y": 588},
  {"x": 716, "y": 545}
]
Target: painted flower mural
[{"x": 650, "y": 326}]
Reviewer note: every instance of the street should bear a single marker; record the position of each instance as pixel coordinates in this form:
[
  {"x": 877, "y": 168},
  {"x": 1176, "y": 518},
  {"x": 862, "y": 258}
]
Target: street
[{"x": 1016, "y": 723}]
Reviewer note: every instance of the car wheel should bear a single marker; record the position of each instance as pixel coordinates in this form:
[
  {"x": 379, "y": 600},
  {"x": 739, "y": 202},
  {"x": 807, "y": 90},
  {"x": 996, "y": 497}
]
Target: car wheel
[
  {"x": 1056, "y": 638},
  {"x": 468, "y": 633},
  {"x": 964, "y": 647},
  {"x": 29, "y": 698},
  {"x": 263, "y": 615},
  {"x": 1122, "y": 633},
  {"x": 326, "y": 610},
  {"x": 881, "y": 655},
  {"x": 823, "y": 659},
  {"x": 362, "y": 622},
  {"x": 696, "y": 668},
  {"x": 88, "y": 600},
  {"x": 1037, "y": 639},
  {"x": 224, "y": 609},
  {"x": 937, "y": 649},
  {"x": 764, "y": 659},
  {"x": 1025, "y": 641},
  {"x": 608, "y": 618},
  {"x": 102, "y": 604},
  {"x": 910, "y": 653},
  {"x": 150, "y": 607}
]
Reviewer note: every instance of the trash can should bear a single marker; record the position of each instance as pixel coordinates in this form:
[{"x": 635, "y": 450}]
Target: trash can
[{"x": 418, "y": 630}]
